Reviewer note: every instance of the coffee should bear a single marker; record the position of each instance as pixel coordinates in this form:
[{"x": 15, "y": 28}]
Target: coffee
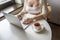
[{"x": 37, "y": 24}]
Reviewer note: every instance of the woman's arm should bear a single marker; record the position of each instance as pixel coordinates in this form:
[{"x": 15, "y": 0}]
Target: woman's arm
[
  {"x": 44, "y": 10},
  {"x": 20, "y": 15},
  {"x": 24, "y": 9}
]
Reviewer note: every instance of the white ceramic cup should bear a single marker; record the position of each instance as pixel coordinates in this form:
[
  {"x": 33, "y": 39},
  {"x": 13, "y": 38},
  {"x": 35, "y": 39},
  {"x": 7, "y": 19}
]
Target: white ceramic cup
[{"x": 37, "y": 27}]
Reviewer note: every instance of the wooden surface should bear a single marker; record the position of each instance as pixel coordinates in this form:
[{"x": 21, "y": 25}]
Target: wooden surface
[{"x": 55, "y": 31}]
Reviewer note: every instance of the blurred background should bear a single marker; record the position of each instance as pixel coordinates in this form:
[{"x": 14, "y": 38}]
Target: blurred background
[{"x": 55, "y": 15}]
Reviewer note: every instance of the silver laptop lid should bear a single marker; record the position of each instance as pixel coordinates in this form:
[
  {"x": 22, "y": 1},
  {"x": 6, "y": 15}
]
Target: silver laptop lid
[{"x": 13, "y": 19}]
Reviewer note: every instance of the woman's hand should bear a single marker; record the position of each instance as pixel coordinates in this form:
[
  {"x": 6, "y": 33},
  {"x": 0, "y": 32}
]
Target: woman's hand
[
  {"x": 20, "y": 15},
  {"x": 28, "y": 20}
]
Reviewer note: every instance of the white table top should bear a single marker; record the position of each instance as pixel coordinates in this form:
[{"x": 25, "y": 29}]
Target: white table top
[
  {"x": 43, "y": 35},
  {"x": 11, "y": 32}
]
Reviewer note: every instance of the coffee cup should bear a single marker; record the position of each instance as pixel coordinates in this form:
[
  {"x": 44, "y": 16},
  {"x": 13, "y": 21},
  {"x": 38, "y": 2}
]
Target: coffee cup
[{"x": 37, "y": 27}]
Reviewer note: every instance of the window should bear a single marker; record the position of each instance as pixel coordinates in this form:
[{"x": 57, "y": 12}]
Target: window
[
  {"x": 11, "y": 7},
  {"x": 3, "y": 1},
  {"x": 4, "y": 4}
]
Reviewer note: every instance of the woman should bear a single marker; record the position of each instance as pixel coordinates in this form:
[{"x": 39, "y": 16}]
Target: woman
[{"x": 35, "y": 7}]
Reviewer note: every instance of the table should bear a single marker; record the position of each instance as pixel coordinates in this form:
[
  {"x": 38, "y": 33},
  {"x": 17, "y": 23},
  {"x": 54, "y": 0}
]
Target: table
[
  {"x": 44, "y": 35},
  {"x": 12, "y": 32}
]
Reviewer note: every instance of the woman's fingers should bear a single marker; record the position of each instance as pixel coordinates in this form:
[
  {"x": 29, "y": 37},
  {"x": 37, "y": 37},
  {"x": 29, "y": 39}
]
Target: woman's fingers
[
  {"x": 20, "y": 16},
  {"x": 27, "y": 21}
]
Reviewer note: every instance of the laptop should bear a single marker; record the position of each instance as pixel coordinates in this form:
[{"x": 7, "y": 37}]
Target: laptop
[{"x": 13, "y": 19}]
